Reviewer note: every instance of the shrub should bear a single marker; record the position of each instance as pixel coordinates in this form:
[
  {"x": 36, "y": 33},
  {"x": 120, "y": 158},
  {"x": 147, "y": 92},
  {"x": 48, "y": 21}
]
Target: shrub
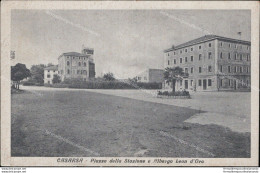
[
  {"x": 151, "y": 85},
  {"x": 109, "y": 77},
  {"x": 27, "y": 83},
  {"x": 48, "y": 85},
  {"x": 39, "y": 84},
  {"x": 56, "y": 79},
  {"x": 60, "y": 85},
  {"x": 112, "y": 85},
  {"x": 100, "y": 83},
  {"x": 176, "y": 93},
  {"x": 72, "y": 81}
]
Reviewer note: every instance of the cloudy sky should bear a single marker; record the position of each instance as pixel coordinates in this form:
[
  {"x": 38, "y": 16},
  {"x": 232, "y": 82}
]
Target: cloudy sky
[{"x": 125, "y": 42}]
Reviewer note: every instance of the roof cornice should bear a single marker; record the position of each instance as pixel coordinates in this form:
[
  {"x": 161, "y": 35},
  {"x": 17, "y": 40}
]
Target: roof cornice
[{"x": 208, "y": 39}]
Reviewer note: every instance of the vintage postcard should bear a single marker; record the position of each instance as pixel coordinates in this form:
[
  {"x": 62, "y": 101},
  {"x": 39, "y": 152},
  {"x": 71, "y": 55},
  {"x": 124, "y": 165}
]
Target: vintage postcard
[{"x": 129, "y": 83}]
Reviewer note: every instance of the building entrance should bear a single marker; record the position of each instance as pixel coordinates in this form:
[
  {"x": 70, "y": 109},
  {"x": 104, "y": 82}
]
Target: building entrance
[{"x": 204, "y": 84}]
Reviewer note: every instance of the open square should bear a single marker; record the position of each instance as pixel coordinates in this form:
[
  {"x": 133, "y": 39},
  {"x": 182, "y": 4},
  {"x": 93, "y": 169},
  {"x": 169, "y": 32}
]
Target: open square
[{"x": 65, "y": 122}]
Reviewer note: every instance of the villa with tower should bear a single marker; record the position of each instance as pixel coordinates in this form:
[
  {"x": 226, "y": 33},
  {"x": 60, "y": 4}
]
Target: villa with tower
[{"x": 72, "y": 65}]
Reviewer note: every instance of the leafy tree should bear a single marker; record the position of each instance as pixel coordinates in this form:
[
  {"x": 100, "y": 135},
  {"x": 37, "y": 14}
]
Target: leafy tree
[
  {"x": 133, "y": 80},
  {"x": 109, "y": 76},
  {"x": 37, "y": 72},
  {"x": 171, "y": 75},
  {"x": 56, "y": 79},
  {"x": 49, "y": 65},
  {"x": 18, "y": 73}
]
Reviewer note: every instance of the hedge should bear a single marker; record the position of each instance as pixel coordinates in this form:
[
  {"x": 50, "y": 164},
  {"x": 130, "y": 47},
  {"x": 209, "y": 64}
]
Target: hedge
[
  {"x": 177, "y": 93},
  {"x": 26, "y": 83},
  {"x": 60, "y": 85},
  {"x": 99, "y": 84},
  {"x": 152, "y": 85},
  {"x": 31, "y": 83}
]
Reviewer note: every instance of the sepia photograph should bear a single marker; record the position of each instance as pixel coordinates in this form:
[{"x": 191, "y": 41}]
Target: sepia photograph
[{"x": 137, "y": 86}]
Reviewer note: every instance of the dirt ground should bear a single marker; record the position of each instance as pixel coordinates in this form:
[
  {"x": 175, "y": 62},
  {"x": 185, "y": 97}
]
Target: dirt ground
[{"x": 81, "y": 123}]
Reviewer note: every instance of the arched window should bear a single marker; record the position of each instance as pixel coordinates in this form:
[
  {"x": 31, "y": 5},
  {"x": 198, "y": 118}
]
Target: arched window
[
  {"x": 68, "y": 63},
  {"x": 68, "y": 71},
  {"x": 85, "y": 64},
  {"x": 79, "y": 64}
]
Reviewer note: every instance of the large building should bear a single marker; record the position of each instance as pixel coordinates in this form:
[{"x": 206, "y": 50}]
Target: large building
[
  {"x": 77, "y": 65},
  {"x": 214, "y": 63},
  {"x": 49, "y": 73},
  {"x": 151, "y": 75}
]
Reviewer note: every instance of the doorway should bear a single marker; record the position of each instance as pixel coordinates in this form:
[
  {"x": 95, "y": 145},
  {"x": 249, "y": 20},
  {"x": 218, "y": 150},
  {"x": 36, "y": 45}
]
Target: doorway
[
  {"x": 186, "y": 84},
  {"x": 204, "y": 84},
  {"x": 235, "y": 84}
]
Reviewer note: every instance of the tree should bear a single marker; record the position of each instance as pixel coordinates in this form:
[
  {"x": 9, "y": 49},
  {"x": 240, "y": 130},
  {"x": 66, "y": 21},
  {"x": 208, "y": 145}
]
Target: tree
[
  {"x": 109, "y": 76},
  {"x": 171, "y": 75},
  {"x": 37, "y": 72},
  {"x": 49, "y": 65},
  {"x": 133, "y": 80},
  {"x": 56, "y": 79},
  {"x": 18, "y": 73}
]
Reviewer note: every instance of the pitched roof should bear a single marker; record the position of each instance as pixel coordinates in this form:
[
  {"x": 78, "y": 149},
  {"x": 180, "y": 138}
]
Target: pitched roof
[
  {"x": 54, "y": 67},
  {"x": 204, "y": 39},
  {"x": 74, "y": 54}
]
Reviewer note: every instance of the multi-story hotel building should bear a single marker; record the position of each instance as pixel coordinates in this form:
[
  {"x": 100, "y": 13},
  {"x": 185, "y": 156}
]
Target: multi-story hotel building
[
  {"x": 214, "y": 63},
  {"x": 77, "y": 65}
]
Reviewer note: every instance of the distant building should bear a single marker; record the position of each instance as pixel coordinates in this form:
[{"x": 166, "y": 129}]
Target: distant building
[
  {"x": 213, "y": 63},
  {"x": 151, "y": 75},
  {"x": 49, "y": 72},
  {"x": 77, "y": 65}
]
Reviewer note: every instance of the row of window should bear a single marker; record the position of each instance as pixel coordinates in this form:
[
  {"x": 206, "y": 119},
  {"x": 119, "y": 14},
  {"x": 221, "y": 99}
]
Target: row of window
[
  {"x": 236, "y": 46},
  {"x": 186, "y": 49},
  {"x": 49, "y": 71},
  {"x": 191, "y": 59},
  {"x": 139, "y": 78},
  {"x": 230, "y": 45},
  {"x": 237, "y": 69},
  {"x": 209, "y": 82},
  {"x": 186, "y": 69},
  {"x": 73, "y": 57},
  {"x": 74, "y": 72},
  {"x": 186, "y": 83},
  {"x": 79, "y": 64},
  {"x": 199, "y": 83},
  {"x": 234, "y": 82},
  {"x": 236, "y": 57}
]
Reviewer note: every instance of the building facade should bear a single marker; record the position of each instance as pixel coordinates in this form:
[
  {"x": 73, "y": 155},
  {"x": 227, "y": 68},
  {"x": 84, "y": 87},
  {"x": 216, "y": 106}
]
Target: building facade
[
  {"x": 77, "y": 65},
  {"x": 151, "y": 75},
  {"x": 49, "y": 73},
  {"x": 214, "y": 63}
]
